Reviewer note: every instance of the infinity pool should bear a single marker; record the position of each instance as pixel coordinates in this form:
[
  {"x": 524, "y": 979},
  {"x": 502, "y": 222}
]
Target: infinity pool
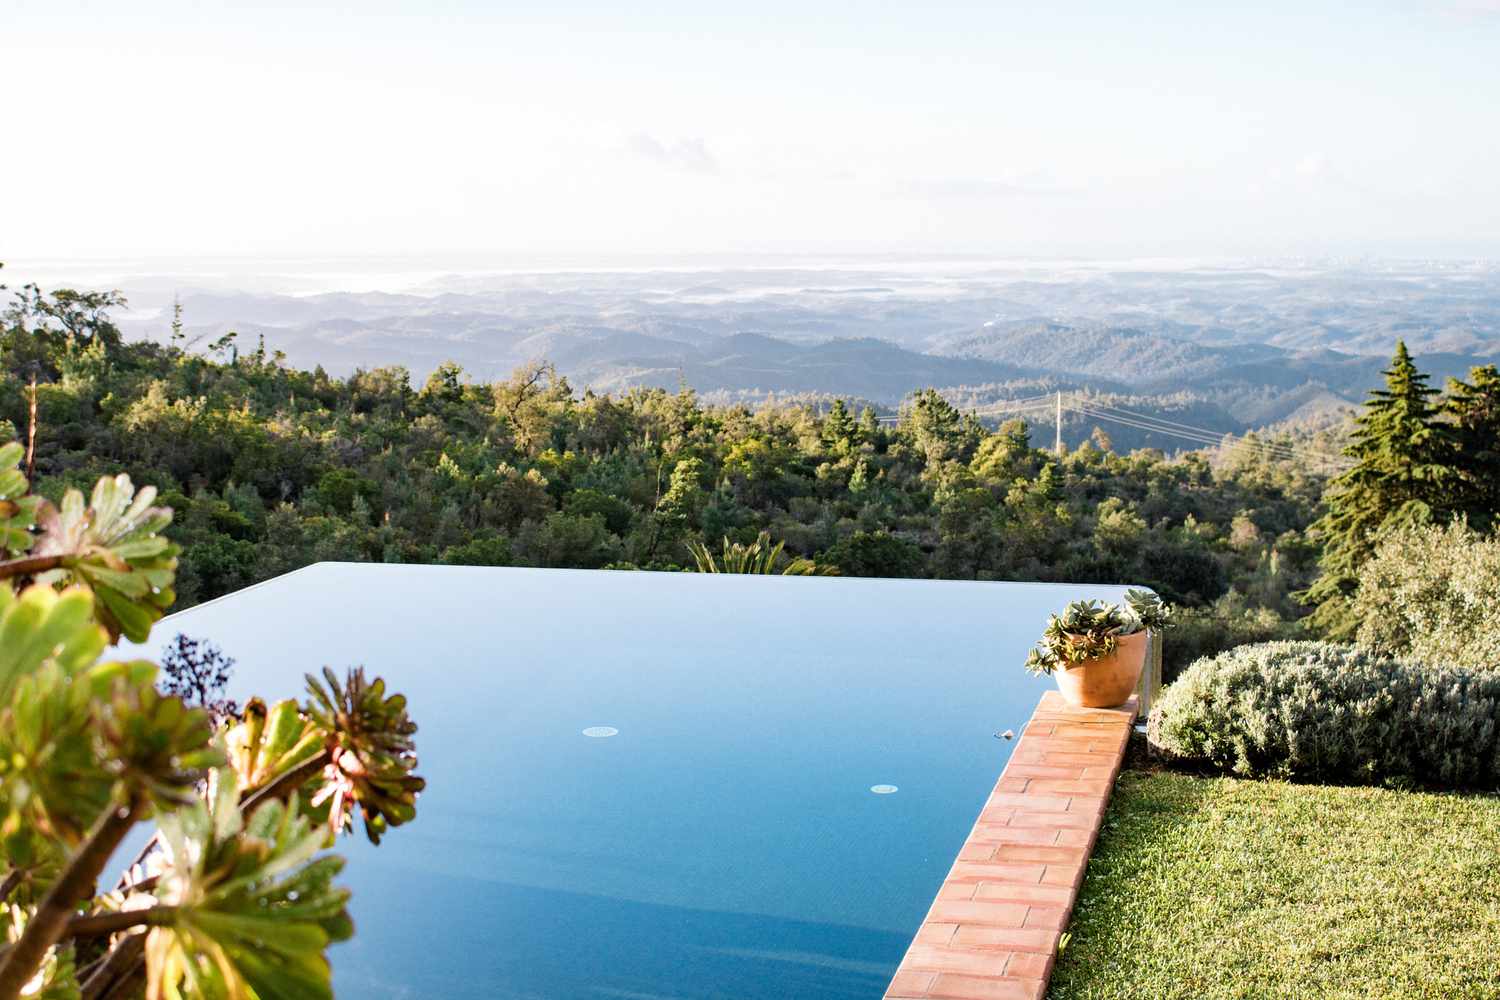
[{"x": 654, "y": 785}]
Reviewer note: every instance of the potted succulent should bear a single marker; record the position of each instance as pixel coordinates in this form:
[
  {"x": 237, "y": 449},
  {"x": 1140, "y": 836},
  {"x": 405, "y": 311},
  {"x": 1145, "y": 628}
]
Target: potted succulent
[{"x": 1096, "y": 650}]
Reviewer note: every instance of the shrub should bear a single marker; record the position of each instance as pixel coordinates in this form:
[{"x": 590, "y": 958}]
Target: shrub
[
  {"x": 1433, "y": 594},
  {"x": 875, "y": 553},
  {"x": 1310, "y": 710}
]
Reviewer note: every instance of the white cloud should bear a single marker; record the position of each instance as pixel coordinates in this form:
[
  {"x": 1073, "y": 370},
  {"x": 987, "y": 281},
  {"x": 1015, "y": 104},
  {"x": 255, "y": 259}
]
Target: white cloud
[
  {"x": 1474, "y": 8},
  {"x": 685, "y": 154},
  {"x": 986, "y": 187},
  {"x": 1311, "y": 165}
]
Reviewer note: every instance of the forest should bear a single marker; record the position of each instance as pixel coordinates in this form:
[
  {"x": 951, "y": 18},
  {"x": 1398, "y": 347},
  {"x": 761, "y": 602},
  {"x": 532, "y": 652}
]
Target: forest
[{"x": 269, "y": 468}]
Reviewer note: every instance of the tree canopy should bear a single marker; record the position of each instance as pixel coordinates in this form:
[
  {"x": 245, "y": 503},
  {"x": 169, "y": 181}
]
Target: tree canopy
[{"x": 1416, "y": 462}]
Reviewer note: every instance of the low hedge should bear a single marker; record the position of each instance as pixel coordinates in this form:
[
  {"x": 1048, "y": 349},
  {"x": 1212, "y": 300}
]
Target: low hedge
[{"x": 1318, "y": 711}]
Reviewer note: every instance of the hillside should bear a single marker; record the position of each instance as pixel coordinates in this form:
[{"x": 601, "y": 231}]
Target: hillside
[{"x": 1225, "y": 347}]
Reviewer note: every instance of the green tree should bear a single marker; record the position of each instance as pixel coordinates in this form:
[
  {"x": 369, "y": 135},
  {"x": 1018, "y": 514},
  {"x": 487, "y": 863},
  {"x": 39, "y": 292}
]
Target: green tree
[
  {"x": 567, "y": 540},
  {"x": 1401, "y": 475},
  {"x": 871, "y": 433},
  {"x": 444, "y": 386},
  {"x": 1474, "y": 409},
  {"x": 874, "y": 553},
  {"x": 839, "y": 428},
  {"x": 936, "y": 429}
]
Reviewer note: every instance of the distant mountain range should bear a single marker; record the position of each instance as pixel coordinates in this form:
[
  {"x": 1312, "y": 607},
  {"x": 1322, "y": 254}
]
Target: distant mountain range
[
  {"x": 1239, "y": 347},
  {"x": 1151, "y": 362}
]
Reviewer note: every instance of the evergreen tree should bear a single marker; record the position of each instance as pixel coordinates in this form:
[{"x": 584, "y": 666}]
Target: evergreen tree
[
  {"x": 870, "y": 432},
  {"x": 839, "y": 427},
  {"x": 1401, "y": 476},
  {"x": 1474, "y": 408}
]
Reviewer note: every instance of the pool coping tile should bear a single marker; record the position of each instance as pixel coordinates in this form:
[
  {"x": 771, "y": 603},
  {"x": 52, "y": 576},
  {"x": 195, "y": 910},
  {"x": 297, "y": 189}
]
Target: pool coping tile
[{"x": 995, "y": 922}]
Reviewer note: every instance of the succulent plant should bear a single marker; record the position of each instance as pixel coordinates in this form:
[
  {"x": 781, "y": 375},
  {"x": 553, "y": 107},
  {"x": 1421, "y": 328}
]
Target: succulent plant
[
  {"x": 1090, "y": 630},
  {"x": 371, "y": 753},
  {"x": 233, "y": 898}
]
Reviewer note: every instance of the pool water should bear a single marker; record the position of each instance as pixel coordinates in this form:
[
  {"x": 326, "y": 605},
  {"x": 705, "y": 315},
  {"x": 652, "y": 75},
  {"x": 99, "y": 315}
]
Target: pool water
[{"x": 654, "y": 785}]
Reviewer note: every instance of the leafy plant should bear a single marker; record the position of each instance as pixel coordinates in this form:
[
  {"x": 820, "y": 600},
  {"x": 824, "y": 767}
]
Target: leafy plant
[
  {"x": 759, "y": 557},
  {"x": 114, "y": 546},
  {"x": 369, "y": 749},
  {"x": 1320, "y": 711},
  {"x": 1090, "y": 630},
  {"x": 234, "y": 897}
]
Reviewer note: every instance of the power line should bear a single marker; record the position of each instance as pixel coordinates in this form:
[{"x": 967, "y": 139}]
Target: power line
[
  {"x": 1295, "y": 449},
  {"x": 1156, "y": 425},
  {"x": 1205, "y": 437}
]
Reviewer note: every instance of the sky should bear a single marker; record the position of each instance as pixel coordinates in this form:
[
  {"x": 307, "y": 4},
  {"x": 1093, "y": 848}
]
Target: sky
[{"x": 156, "y": 127}]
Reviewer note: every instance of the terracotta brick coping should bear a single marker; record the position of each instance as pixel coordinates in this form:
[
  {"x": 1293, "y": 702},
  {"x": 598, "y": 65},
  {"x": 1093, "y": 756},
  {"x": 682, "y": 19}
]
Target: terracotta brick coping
[{"x": 993, "y": 930}]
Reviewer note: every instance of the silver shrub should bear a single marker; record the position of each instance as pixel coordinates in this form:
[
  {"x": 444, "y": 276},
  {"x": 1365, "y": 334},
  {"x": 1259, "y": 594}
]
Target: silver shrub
[
  {"x": 1433, "y": 594},
  {"x": 1319, "y": 711}
]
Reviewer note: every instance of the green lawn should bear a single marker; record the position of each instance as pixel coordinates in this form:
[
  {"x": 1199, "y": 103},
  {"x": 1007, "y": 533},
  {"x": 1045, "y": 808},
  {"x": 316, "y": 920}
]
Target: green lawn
[{"x": 1216, "y": 887}]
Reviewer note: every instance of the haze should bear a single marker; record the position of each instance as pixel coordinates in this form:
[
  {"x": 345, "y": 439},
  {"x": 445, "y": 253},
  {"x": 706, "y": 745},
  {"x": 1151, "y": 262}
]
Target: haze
[{"x": 173, "y": 128}]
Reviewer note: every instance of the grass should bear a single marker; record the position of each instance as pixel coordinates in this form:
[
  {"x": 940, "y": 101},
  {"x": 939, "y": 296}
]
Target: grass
[{"x": 1214, "y": 888}]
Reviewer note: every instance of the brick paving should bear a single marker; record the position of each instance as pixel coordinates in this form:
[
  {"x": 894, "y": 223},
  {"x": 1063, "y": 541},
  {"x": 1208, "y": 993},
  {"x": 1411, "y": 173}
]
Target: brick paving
[{"x": 993, "y": 929}]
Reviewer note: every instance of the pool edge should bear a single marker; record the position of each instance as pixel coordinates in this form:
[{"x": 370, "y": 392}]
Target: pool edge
[{"x": 993, "y": 929}]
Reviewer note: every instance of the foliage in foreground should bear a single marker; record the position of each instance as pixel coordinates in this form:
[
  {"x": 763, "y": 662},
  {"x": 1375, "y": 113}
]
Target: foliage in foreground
[
  {"x": 1224, "y": 889},
  {"x": 234, "y": 897},
  {"x": 1319, "y": 711},
  {"x": 1433, "y": 594}
]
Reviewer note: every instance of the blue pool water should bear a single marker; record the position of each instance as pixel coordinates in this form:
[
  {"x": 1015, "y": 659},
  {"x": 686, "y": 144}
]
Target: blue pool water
[{"x": 724, "y": 841}]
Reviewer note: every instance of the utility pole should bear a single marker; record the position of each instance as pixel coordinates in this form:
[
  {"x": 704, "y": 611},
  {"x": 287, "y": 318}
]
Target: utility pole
[{"x": 1058, "y": 445}]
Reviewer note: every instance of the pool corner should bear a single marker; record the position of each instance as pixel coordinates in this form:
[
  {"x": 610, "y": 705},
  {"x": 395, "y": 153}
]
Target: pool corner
[{"x": 993, "y": 930}]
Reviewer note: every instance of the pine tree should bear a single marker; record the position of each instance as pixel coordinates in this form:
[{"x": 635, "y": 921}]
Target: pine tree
[
  {"x": 1401, "y": 475},
  {"x": 870, "y": 432},
  {"x": 1474, "y": 408},
  {"x": 839, "y": 427}
]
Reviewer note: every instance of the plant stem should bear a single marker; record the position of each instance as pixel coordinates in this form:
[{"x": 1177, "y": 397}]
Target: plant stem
[
  {"x": 31, "y": 435},
  {"x": 29, "y": 566},
  {"x": 124, "y": 966},
  {"x": 280, "y": 788},
  {"x": 100, "y": 924},
  {"x": 118, "y": 969},
  {"x": 13, "y": 878},
  {"x": 146, "y": 884},
  {"x": 286, "y": 783},
  {"x": 61, "y": 902}
]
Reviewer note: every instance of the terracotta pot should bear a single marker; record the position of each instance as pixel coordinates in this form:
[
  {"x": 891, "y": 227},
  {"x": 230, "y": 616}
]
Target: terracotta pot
[{"x": 1106, "y": 682}]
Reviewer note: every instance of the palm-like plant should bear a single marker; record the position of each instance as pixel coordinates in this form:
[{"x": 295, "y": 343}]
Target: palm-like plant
[
  {"x": 759, "y": 557},
  {"x": 233, "y": 898}
]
